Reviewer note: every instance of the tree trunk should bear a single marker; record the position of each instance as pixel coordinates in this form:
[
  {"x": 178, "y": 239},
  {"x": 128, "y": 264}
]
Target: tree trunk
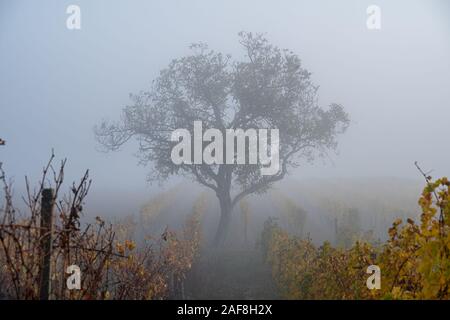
[{"x": 225, "y": 219}]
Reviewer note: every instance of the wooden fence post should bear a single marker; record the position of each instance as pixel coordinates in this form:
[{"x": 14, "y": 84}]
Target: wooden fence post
[{"x": 46, "y": 226}]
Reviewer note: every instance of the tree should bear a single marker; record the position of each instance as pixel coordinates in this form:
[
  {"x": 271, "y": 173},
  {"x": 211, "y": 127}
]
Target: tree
[{"x": 267, "y": 89}]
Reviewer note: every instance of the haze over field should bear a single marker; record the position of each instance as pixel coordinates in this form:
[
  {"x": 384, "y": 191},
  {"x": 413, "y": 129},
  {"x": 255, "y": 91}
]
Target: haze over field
[
  {"x": 383, "y": 102},
  {"x": 56, "y": 84}
]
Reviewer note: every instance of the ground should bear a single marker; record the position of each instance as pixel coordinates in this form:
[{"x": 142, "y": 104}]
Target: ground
[{"x": 230, "y": 274}]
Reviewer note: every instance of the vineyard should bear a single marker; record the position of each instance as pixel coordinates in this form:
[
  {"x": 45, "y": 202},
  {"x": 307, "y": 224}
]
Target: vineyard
[
  {"x": 414, "y": 262},
  {"x": 142, "y": 258},
  {"x": 112, "y": 265}
]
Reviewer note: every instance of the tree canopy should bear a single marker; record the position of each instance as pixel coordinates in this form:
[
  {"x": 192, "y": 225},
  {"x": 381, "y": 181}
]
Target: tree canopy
[{"x": 269, "y": 88}]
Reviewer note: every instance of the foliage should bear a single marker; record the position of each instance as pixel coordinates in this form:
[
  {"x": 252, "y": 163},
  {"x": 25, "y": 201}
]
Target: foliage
[
  {"x": 293, "y": 217},
  {"x": 348, "y": 228},
  {"x": 112, "y": 265},
  {"x": 414, "y": 261},
  {"x": 154, "y": 208},
  {"x": 416, "y": 258},
  {"x": 304, "y": 271}
]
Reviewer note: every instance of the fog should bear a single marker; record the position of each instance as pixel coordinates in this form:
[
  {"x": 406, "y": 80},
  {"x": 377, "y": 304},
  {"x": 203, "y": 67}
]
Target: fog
[{"x": 56, "y": 84}]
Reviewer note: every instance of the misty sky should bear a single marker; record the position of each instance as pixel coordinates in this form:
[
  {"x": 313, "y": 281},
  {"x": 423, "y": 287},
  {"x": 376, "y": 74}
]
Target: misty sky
[{"x": 56, "y": 84}]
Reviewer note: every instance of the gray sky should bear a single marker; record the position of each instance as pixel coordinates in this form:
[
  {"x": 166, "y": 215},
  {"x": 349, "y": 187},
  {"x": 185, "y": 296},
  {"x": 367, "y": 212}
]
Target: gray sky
[{"x": 56, "y": 84}]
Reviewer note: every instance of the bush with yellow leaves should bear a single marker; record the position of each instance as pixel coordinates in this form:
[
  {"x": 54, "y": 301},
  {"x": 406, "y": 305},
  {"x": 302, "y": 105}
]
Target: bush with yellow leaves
[
  {"x": 414, "y": 262},
  {"x": 416, "y": 259}
]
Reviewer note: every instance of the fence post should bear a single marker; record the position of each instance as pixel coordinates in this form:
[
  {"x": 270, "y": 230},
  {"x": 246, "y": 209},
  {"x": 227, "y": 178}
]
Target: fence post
[{"x": 46, "y": 243}]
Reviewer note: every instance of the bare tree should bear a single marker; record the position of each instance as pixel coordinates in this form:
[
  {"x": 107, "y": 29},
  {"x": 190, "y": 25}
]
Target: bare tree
[{"x": 267, "y": 89}]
